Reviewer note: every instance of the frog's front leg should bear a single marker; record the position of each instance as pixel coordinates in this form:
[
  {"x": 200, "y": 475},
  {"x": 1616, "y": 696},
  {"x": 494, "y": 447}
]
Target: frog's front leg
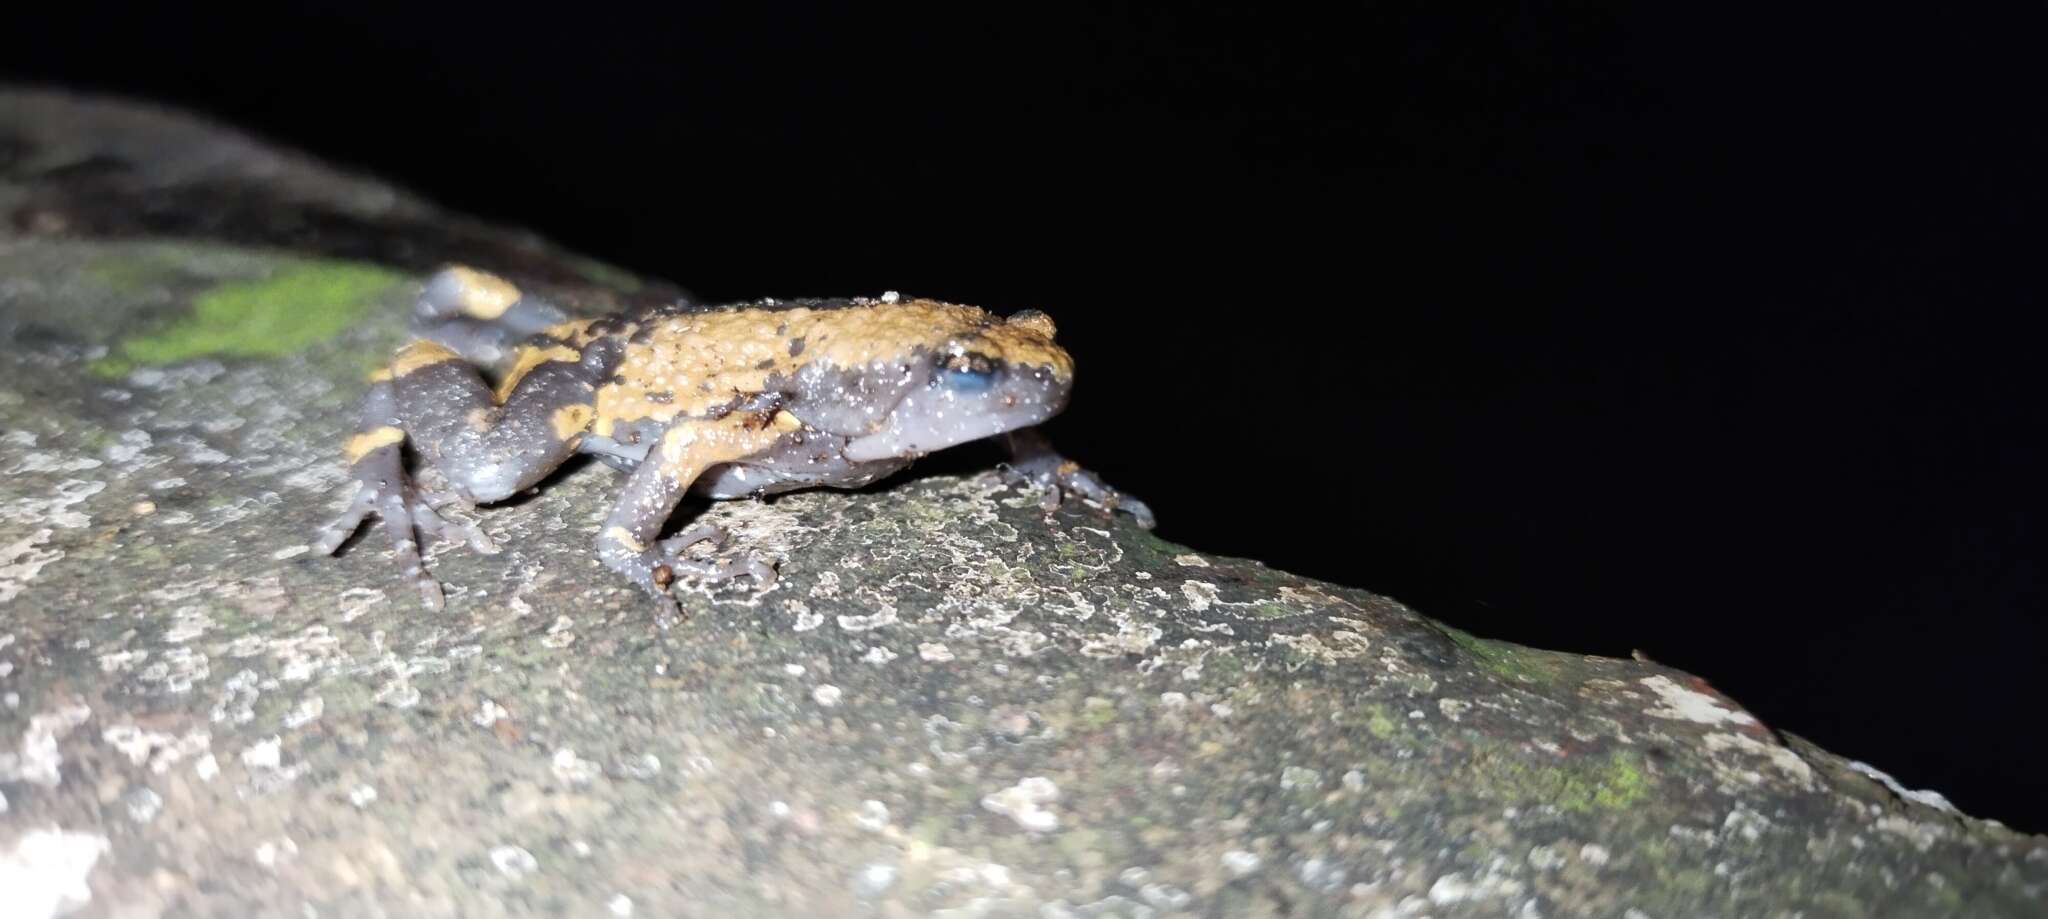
[
  {"x": 628, "y": 543},
  {"x": 488, "y": 451},
  {"x": 1033, "y": 459}
]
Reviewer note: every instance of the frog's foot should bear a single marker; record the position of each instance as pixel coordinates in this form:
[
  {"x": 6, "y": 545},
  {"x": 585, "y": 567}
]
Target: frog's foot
[
  {"x": 655, "y": 569},
  {"x": 718, "y": 571},
  {"x": 1034, "y": 461},
  {"x": 1069, "y": 480},
  {"x": 712, "y": 571},
  {"x": 405, "y": 513}
]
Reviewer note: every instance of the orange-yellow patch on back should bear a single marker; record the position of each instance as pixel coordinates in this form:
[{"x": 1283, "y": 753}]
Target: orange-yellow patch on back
[{"x": 692, "y": 363}]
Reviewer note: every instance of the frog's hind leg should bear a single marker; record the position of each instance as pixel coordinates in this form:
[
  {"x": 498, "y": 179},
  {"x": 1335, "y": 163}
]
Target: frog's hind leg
[
  {"x": 487, "y": 448},
  {"x": 491, "y": 446},
  {"x": 375, "y": 456},
  {"x": 480, "y": 316}
]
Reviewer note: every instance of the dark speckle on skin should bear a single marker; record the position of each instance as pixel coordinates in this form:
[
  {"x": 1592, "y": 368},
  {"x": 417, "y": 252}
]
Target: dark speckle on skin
[{"x": 796, "y": 346}]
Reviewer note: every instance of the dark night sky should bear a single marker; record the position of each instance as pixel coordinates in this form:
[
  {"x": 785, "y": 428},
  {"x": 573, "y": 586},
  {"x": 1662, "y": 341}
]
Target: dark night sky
[{"x": 1706, "y": 334}]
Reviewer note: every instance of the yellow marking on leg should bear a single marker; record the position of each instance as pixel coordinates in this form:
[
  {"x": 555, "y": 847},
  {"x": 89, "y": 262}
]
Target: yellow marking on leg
[
  {"x": 571, "y": 420},
  {"x": 482, "y": 295},
  {"x": 623, "y": 538},
  {"x": 676, "y": 443},
  {"x": 360, "y": 445},
  {"x": 479, "y": 419},
  {"x": 529, "y": 358},
  {"x": 417, "y": 354},
  {"x": 786, "y": 422},
  {"x": 689, "y": 448}
]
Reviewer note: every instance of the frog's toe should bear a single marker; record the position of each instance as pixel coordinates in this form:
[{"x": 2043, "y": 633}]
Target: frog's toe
[
  {"x": 329, "y": 538},
  {"x": 433, "y": 524},
  {"x": 674, "y": 546},
  {"x": 653, "y": 577},
  {"x": 1110, "y": 502},
  {"x": 404, "y": 515},
  {"x": 752, "y": 566},
  {"x": 666, "y": 609},
  {"x": 430, "y": 592},
  {"x": 1141, "y": 513},
  {"x": 1065, "y": 480},
  {"x": 719, "y": 571},
  {"x": 712, "y": 570}
]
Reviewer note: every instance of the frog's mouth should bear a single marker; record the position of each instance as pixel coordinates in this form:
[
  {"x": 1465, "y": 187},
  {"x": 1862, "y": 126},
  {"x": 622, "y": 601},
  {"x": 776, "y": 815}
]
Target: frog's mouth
[
  {"x": 954, "y": 408},
  {"x": 899, "y": 440}
]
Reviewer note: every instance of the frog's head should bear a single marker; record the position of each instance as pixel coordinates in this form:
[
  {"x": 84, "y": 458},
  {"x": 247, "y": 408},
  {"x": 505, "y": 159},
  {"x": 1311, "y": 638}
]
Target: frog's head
[{"x": 956, "y": 374}]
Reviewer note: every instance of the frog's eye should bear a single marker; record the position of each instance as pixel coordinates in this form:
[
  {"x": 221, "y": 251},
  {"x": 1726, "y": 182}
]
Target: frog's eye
[{"x": 966, "y": 372}]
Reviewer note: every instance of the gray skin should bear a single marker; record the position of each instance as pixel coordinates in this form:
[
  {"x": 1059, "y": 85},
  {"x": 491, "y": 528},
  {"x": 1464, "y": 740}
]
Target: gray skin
[{"x": 859, "y": 424}]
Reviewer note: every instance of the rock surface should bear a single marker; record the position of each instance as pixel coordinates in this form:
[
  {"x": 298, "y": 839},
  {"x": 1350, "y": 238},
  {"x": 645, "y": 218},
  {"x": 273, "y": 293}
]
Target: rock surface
[{"x": 951, "y": 703}]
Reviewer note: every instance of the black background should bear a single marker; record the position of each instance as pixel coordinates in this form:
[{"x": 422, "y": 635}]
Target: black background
[{"x": 1709, "y": 334}]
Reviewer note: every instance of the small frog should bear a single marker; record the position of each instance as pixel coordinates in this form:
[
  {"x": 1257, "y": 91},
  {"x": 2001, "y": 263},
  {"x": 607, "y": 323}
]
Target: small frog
[{"x": 751, "y": 399}]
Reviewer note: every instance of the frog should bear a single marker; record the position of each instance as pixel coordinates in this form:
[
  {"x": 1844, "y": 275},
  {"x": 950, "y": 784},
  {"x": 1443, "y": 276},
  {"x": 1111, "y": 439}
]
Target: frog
[{"x": 498, "y": 388}]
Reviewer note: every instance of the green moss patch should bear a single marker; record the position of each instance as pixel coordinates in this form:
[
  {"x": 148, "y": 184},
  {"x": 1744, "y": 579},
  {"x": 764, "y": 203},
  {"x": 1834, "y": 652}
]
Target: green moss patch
[
  {"x": 305, "y": 302},
  {"x": 1614, "y": 783},
  {"x": 1381, "y": 724},
  {"x": 1508, "y": 661}
]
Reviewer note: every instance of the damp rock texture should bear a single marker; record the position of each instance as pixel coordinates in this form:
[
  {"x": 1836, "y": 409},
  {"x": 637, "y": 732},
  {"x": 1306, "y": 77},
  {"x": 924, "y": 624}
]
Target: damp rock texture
[{"x": 952, "y": 703}]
